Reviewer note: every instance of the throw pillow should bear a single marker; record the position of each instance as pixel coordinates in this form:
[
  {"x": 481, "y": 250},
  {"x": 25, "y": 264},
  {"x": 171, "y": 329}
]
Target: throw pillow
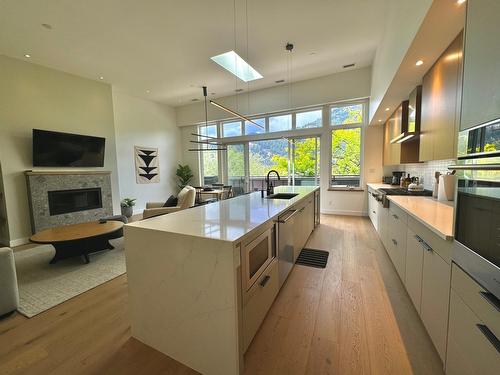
[{"x": 171, "y": 202}]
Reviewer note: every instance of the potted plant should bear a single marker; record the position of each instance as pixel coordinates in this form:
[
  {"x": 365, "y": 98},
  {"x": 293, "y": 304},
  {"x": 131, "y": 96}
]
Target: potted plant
[
  {"x": 127, "y": 206},
  {"x": 184, "y": 174}
]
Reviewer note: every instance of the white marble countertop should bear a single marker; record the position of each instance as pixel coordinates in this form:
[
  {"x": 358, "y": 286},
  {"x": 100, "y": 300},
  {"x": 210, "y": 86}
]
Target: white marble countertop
[
  {"x": 435, "y": 215},
  {"x": 226, "y": 220}
]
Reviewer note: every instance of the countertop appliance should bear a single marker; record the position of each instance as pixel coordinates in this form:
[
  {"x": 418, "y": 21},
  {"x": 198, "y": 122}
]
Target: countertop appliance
[
  {"x": 396, "y": 177},
  {"x": 285, "y": 244},
  {"x": 476, "y": 247}
]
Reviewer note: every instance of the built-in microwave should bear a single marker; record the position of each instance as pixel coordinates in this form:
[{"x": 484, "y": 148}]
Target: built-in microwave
[
  {"x": 257, "y": 255},
  {"x": 477, "y": 216}
]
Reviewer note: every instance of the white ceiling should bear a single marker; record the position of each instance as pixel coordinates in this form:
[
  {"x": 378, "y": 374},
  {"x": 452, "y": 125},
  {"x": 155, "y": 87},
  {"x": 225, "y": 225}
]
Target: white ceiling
[{"x": 165, "y": 46}]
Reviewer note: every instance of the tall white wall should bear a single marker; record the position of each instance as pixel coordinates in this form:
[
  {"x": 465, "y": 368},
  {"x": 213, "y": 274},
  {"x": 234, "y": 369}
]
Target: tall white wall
[
  {"x": 401, "y": 26},
  {"x": 140, "y": 122},
  {"x": 32, "y": 96}
]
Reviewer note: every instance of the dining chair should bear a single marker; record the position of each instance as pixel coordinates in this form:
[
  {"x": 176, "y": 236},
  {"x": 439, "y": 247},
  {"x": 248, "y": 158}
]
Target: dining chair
[{"x": 227, "y": 191}]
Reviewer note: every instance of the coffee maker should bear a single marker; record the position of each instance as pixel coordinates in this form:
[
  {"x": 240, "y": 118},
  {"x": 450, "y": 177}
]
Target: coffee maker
[{"x": 396, "y": 177}]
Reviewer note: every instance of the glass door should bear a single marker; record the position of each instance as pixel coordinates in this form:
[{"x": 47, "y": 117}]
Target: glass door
[
  {"x": 266, "y": 155},
  {"x": 237, "y": 168},
  {"x": 305, "y": 161}
]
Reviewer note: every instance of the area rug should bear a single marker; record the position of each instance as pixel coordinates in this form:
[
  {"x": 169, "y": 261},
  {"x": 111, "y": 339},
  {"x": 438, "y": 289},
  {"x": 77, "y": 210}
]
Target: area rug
[{"x": 43, "y": 285}]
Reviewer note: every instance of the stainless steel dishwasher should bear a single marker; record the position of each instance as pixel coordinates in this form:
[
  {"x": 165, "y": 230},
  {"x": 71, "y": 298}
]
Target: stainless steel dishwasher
[{"x": 285, "y": 244}]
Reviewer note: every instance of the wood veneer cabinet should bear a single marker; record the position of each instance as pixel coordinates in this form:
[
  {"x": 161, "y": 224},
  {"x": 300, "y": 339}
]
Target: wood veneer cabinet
[
  {"x": 441, "y": 95},
  {"x": 399, "y": 153},
  {"x": 481, "y": 78}
]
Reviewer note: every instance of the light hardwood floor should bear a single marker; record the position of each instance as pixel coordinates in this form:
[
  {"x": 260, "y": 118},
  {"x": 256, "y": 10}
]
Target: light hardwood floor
[{"x": 354, "y": 317}]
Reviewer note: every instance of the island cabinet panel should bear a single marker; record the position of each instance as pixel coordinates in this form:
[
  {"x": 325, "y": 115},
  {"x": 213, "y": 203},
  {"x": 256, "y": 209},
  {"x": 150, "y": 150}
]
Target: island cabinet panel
[
  {"x": 259, "y": 301},
  {"x": 441, "y": 94},
  {"x": 303, "y": 225},
  {"x": 469, "y": 350},
  {"x": 414, "y": 267},
  {"x": 481, "y": 79}
]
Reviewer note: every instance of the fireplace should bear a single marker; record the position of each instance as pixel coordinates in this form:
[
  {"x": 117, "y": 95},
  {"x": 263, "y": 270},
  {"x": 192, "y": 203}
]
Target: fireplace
[
  {"x": 74, "y": 200},
  {"x": 63, "y": 198}
]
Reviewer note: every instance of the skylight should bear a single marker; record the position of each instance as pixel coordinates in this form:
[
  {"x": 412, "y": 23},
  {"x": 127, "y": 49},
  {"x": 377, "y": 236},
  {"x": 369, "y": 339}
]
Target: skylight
[{"x": 232, "y": 62}]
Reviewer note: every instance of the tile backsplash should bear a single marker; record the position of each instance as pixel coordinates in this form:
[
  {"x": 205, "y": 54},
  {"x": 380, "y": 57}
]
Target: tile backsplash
[{"x": 425, "y": 171}]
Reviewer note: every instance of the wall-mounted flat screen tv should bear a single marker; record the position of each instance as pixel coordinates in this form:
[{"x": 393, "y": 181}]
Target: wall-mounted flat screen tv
[{"x": 55, "y": 149}]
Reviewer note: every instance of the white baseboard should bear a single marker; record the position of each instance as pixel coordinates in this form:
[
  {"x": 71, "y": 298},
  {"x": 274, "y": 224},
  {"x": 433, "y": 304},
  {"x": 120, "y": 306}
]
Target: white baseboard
[
  {"x": 344, "y": 212},
  {"x": 19, "y": 242}
]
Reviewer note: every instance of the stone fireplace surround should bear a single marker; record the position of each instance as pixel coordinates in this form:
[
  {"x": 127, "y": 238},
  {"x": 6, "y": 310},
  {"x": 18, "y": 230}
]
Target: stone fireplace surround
[{"x": 39, "y": 184}]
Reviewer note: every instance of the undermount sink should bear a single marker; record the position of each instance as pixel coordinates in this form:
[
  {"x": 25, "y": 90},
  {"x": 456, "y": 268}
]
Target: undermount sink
[{"x": 282, "y": 196}]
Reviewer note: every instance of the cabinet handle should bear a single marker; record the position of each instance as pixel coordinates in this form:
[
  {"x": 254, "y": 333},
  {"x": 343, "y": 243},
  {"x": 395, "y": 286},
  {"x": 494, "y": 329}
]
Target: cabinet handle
[
  {"x": 491, "y": 299},
  {"x": 293, "y": 213},
  {"x": 395, "y": 242},
  {"x": 426, "y": 247},
  {"x": 264, "y": 281},
  {"x": 490, "y": 336},
  {"x": 395, "y": 216}
]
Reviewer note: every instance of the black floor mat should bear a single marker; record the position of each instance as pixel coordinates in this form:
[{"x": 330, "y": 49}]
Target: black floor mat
[{"x": 313, "y": 258}]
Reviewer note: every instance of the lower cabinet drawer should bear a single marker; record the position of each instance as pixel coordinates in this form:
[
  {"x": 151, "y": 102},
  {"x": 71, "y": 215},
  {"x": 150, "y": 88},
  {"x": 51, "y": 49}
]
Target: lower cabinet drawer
[
  {"x": 258, "y": 301},
  {"x": 397, "y": 242},
  {"x": 469, "y": 349},
  {"x": 483, "y": 304}
]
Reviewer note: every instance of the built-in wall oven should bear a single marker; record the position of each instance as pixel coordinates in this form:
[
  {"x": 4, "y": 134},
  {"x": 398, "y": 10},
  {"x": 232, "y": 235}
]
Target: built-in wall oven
[
  {"x": 257, "y": 255},
  {"x": 477, "y": 222}
]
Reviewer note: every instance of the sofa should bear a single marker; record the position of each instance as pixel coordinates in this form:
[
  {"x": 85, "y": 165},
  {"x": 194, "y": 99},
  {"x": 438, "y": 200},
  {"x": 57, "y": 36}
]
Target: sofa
[
  {"x": 185, "y": 199},
  {"x": 9, "y": 295}
]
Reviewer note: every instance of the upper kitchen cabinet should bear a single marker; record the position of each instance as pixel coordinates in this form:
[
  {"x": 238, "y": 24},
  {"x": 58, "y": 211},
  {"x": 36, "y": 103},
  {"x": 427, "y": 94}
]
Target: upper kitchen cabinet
[
  {"x": 481, "y": 79},
  {"x": 400, "y": 145},
  {"x": 441, "y": 88}
]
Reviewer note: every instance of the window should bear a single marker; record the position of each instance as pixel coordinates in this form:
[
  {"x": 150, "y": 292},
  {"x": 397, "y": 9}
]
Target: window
[
  {"x": 306, "y": 161},
  {"x": 253, "y": 129},
  {"x": 231, "y": 129},
  {"x": 347, "y": 114},
  {"x": 209, "y": 160},
  {"x": 346, "y": 157},
  {"x": 210, "y": 130},
  {"x": 311, "y": 119},
  {"x": 267, "y": 155},
  {"x": 280, "y": 123},
  {"x": 236, "y": 174}
]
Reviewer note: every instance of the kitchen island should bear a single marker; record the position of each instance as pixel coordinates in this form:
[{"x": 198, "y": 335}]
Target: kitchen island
[{"x": 202, "y": 280}]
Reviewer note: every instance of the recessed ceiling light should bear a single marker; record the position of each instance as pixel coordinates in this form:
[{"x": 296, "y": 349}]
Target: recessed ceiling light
[
  {"x": 27, "y": 56},
  {"x": 379, "y": 120},
  {"x": 233, "y": 63},
  {"x": 147, "y": 91},
  {"x": 101, "y": 78},
  {"x": 419, "y": 62},
  {"x": 459, "y": 2},
  {"x": 387, "y": 109}
]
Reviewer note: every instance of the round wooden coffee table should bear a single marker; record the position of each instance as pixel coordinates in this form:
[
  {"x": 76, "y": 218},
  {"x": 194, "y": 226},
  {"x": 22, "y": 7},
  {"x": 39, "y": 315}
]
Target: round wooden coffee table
[{"x": 78, "y": 239}]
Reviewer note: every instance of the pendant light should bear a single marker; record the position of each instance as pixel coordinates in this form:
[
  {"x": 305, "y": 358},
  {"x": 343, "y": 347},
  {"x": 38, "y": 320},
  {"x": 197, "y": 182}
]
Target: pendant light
[{"x": 206, "y": 140}]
